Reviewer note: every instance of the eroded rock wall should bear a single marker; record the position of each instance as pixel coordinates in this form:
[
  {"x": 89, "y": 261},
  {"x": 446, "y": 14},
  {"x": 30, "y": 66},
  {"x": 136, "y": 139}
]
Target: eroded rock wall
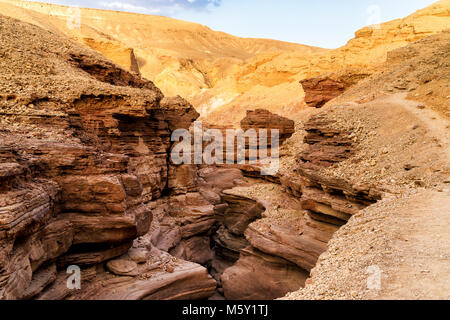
[
  {"x": 302, "y": 211},
  {"x": 86, "y": 181},
  {"x": 84, "y": 168}
]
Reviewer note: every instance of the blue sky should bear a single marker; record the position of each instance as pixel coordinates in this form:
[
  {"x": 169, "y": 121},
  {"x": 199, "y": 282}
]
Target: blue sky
[{"x": 323, "y": 23}]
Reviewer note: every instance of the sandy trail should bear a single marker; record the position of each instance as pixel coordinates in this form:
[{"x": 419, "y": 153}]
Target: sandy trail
[
  {"x": 436, "y": 124},
  {"x": 421, "y": 267}
]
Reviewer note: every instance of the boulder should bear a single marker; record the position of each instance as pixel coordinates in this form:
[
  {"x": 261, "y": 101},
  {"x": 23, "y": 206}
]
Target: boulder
[{"x": 122, "y": 267}]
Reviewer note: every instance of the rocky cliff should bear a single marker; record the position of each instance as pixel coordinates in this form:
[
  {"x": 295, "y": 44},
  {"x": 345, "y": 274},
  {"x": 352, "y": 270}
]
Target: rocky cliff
[{"x": 84, "y": 149}]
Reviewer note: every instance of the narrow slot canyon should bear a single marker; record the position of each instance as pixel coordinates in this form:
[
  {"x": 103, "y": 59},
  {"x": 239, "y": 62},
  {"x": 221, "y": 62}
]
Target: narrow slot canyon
[
  {"x": 94, "y": 207},
  {"x": 260, "y": 236}
]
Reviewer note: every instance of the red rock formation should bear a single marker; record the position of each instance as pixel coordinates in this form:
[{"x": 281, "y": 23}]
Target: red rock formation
[
  {"x": 263, "y": 119},
  {"x": 83, "y": 161},
  {"x": 328, "y": 199},
  {"x": 276, "y": 253},
  {"x": 234, "y": 220},
  {"x": 259, "y": 276},
  {"x": 320, "y": 90},
  {"x": 292, "y": 244},
  {"x": 85, "y": 180}
]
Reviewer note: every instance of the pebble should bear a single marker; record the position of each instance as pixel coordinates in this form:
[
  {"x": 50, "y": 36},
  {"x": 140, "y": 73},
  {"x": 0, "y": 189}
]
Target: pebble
[
  {"x": 419, "y": 183},
  {"x": 170, "y": 268},
  {"x": 138, "y": 255}
]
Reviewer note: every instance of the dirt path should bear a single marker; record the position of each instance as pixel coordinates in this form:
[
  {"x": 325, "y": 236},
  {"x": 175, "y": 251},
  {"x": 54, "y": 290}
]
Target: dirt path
[
  {"x": 436, "y": 124},
  {"x": 419, "y": 267}
]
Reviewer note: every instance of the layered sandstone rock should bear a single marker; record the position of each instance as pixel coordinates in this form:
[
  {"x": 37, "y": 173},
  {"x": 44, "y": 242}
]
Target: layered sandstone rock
[
  {"x": 263, "y": 119},
  {"x": 84, "y": 147},
  {"x": 320, "y": 90},
  {"x": 328, "y": 199},
  {"x": 279, "y": 248},
  {"x": 229, "y": 240},
  {"x": 161, "y": 277},
  {"x": 124, "y": 57},
  {"x": 86, "y": 181},
  {"x": 301, "y": 215},
  {"x": 258, "y": 276}
]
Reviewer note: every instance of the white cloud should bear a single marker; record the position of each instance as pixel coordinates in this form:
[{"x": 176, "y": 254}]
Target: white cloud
[
  {"x": 164, "y": 7},
  {"x": 116, "y": 5},
  {"x": 158, "y": 6}
]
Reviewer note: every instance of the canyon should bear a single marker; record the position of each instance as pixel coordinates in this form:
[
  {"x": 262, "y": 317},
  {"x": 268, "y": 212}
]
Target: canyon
[{"x": 86, "y": 178}]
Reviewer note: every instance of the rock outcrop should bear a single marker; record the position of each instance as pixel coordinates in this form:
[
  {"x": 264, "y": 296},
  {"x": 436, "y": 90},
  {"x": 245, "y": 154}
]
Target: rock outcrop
[
  {"x": 329, "y": 200},
  {"x": 280, "y": 246},
  {"x": 84, "y": 148},
  {"x": 264, "y": 119},
  {"x": 122, "y": 56},
  {"x": 320, "y": 90},
  {"x": 301, "y": 213},
  {"x": 259, "y": 276}
]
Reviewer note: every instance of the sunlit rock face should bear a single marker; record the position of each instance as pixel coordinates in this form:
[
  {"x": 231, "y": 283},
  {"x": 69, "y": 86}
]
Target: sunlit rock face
[{"x": 221, "y": 75}]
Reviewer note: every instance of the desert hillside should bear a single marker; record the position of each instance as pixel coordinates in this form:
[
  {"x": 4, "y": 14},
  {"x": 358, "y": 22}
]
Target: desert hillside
[
  {"x": 421, "y": 70},
  {"x": 219, "y": 73},
  {"x": 182, "y": 58}
]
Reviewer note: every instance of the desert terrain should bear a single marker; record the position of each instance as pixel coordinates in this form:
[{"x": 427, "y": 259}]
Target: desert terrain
[
  {"x": 359, "y": 208},
  {"x": 221, "y": 74}
]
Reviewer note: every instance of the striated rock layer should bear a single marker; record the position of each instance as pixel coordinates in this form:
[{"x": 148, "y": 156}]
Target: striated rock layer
[
  {"x": 86, "y": 180},
  {"x": 301, "y": 213},
  {"x": 264, "y": 119},
  {"x": 328, "y": 199},
  {"x": 320, "y": 90},
  {"x": 83, "y": 161}
]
